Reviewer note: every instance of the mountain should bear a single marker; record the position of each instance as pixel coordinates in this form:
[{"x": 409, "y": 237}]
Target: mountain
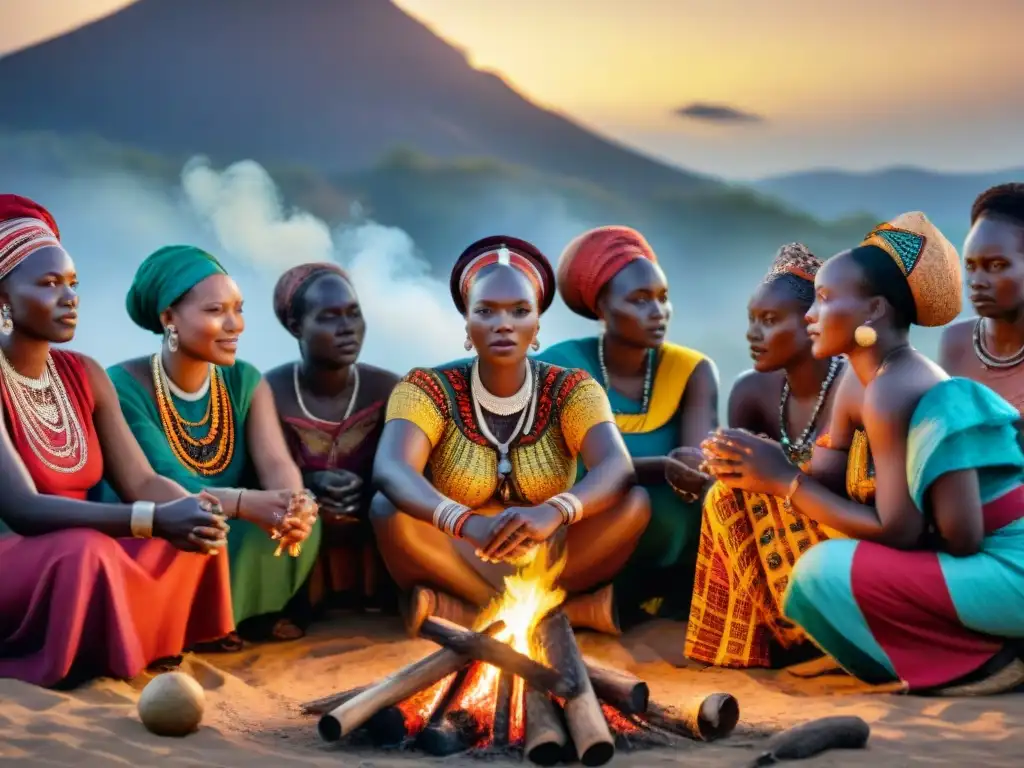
[
  {"x": 945, "y": 197},
  {"x": 326, "y": 84}
]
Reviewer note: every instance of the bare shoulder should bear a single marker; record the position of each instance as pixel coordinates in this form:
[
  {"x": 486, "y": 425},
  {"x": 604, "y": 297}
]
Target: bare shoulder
[
  {"x": 892, "y": 398},
  {"x": 378, "y": 378},
  {"x": 753, "y": 383},
  {"x": 279, "y": 379},
  {"x": 956, "y": 343}
]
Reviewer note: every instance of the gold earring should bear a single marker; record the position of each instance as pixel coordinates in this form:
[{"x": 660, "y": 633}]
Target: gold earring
[
  {"x": 172, "y": 338},
  {"x": 468, "y": 344},
  {"x": 865, "y": 336}
]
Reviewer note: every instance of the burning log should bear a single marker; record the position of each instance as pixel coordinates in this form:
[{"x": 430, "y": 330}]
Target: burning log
[
  {"x": 627, "y": 693},
  {"x": 449, "y": 730},
  {"x": 325, "y": 704},
  {"x": 503, "y": 711},
  {"x": 351, "y": 714},
  {"x": 546, "y": 738},
  {"x": 588, "y": 727},
  {"x": 481, "y": 647},
  {"x": 706, "y": 718}
]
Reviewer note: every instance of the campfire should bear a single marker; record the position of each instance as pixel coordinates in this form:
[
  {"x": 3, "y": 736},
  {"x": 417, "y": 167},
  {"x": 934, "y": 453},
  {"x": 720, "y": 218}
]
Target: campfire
[{"x": 520, "y": 682}]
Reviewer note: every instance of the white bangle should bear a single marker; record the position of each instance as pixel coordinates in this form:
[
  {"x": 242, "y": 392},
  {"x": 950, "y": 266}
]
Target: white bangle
[
  {"x": 569, "y": 505},
  {"x": 448, "y": 514},
  {"x": 142, "y": 519}
]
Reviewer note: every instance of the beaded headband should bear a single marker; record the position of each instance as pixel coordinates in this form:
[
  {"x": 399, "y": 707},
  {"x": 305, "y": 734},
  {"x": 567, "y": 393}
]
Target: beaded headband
[
  {"x": 20, "y": 238},
  {"x": 507, "y": 257}
]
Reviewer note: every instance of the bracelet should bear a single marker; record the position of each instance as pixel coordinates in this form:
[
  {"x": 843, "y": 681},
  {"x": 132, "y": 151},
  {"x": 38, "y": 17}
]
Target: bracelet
[
  {"x": 569, "y": 505},
  {"x": 450, "y": 517},
  {"x": 688, "y": 497},
  {"x": 238, "y": 505},
  {"x": 143, "y": 513}
]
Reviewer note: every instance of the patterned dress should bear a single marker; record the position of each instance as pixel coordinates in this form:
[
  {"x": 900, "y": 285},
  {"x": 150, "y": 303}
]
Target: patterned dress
[
  {"x": 463, "y": 465},
  {"x": 749, "y": 544}
]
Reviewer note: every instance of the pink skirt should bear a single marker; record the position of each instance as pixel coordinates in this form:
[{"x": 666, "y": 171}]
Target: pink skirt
[{"x": 80, "y": 600}]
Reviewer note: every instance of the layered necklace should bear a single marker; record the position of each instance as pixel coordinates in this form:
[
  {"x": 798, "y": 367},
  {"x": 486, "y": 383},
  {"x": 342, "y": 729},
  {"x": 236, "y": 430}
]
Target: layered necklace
[
  {"x": 54, "y": 431},
  {"x": 987, "y": 358},
  {"x": 523, "y": 402},
  {"x": 348, "y": 409},
  {"x": 207, "y": 455},
  {"x": 799, "y": 451},
  {"x": 648, "y": 374}
]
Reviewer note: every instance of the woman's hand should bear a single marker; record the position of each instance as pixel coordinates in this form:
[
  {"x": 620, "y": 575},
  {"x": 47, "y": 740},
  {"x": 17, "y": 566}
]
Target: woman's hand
[
  {"x": 338, "y": 492},
  {"x": 267, "y": 509},
  {"x": 297, "y": 524},
  {"x": 191, "y": 524},
  {"x": 518, "y": 529},
  {"x": 746, "y": 462},
  {"x": 684, "y": 473}
]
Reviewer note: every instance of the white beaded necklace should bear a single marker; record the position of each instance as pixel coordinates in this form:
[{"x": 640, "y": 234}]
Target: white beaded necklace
[
  {"x": 351, "y": 400},
  {"x": 525, "y": 422},
  {"x": 501, "y": 406},
  {"x": 178, "y": 392}
]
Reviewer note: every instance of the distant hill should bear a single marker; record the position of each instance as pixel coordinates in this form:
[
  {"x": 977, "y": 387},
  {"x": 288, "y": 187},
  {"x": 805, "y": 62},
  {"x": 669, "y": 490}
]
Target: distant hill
[
  {"x": 945, "y": 197},
  {"x": 327, "y": 84}
]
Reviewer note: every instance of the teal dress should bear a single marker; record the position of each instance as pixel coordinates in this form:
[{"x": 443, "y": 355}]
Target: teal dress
[
  {"x": 261, "y": 583},
  {"x": 659, "y": 576}
]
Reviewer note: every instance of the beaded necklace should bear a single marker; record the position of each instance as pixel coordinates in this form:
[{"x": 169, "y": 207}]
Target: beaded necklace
[
  {"x": 799, "y": 451},
  {"x": 987, "y": 358},
  {"x": 207, "y": 455},
  {"x": 45, "y": 412},
  {"x": 648, "y": 375}
]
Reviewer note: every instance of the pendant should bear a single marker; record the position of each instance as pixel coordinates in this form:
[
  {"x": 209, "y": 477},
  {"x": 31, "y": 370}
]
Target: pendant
[
  {"x": 504, "y": 465},
  {"x": 798, "y": 455}
]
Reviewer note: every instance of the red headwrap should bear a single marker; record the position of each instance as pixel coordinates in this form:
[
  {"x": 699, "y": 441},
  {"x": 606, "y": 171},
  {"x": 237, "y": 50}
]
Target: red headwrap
[
  {"x": 25, "y": 227},
  {"x": 591, "y": 260},
  {"x": 297, "y": 279},
  {"x": 500, "y": 249}
]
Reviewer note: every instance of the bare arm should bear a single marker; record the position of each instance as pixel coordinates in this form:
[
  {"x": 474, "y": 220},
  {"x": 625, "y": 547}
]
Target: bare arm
[
  {"x": 402, "y": 455},
  {"x": 955, "y": 500},
  {"x": 30, "y": 513},
  {"x": 894, "y": 521},
  {"x": 743, "y": 410},
  {"x": 267, "y": 447},
  {"x": 610, "y": 471},
  {"x": 699, "y": 407},
  {"x": 127, "y": 469}
]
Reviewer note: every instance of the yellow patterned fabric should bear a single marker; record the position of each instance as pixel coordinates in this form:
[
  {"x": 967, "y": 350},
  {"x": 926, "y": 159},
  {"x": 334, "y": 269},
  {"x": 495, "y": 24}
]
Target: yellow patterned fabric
[
  {"x": 749, "y": 543},
  {"x": 463, "y": 465}
]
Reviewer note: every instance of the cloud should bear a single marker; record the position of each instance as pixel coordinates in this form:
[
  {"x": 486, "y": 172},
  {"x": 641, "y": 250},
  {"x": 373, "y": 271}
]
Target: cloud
[{"x": 716, "y": 113}]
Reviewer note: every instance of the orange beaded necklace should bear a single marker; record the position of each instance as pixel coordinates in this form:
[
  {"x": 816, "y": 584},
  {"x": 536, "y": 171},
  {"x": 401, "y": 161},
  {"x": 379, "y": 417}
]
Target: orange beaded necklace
[{"x": 207, "y": 455}]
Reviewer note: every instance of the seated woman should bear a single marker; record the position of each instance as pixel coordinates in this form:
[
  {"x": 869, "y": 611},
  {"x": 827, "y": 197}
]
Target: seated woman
[
  {"x": 86, "y": 589},
  {"x": 205, "y": 419},
  {"x": 664, "y": 396},
  {"x": 500, "y": 438},
  {"x": 929, "y": 589},
  {"x": 989, "y": 348},
  {"x": 750, "y": 541},
  {"x": 332, "y": 412}
]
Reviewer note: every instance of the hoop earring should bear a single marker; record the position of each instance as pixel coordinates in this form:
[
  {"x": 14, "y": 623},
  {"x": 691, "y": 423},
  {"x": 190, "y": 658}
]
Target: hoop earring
[
  {"x": 6, "y": 325},
  {"x": 172, "y": 338},
  {"x": 865, "y": 336},
  {"x": 468, "y": 344},
  {"x": 535, "y": 345}
]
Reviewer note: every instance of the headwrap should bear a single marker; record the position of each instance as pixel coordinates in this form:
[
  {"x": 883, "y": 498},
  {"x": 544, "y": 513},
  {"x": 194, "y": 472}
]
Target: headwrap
[
  {"x": 591, "y": 260},
  {"x": 510, "y": 251},
  {"x": 926, "y": 280},
  {"x": 25, "y": 227},
  {"x": 164, "y": 277},
  {"x": 794, "y": 259},
  {"x": 293, "y": 282}
]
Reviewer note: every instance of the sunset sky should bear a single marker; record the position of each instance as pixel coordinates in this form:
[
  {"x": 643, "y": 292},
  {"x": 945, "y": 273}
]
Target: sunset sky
[{"x": 791, "y": 84}]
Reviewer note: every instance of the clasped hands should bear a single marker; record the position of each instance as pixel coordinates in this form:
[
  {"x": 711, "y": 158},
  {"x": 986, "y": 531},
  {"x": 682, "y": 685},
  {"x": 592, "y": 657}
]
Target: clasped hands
[
  {"x": 747, "y": 462},
  {"x": 512, "y": 533}
]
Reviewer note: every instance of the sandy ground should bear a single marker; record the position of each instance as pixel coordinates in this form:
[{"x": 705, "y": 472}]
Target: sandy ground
[{"x": 252, "y": 717}]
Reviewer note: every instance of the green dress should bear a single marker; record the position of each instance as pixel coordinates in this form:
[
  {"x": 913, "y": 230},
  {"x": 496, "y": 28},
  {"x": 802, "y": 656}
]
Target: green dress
[
  {"x": 260, "y": 583},
  {"x": 660, "y": 573}
]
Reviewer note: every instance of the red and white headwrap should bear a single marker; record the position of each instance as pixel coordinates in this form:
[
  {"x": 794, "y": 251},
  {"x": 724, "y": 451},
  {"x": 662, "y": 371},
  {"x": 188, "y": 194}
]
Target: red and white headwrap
[
  {"x": 508, "y": 251},
  {"x": 25, "y": 227}
]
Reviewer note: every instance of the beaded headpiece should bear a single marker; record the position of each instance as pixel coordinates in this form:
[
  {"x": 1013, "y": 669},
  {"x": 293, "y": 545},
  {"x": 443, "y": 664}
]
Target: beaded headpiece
[
  {"x": 507, "y": 251},
  {"x": 795, "y": 259},
  {"x": 25, "y": 227}
]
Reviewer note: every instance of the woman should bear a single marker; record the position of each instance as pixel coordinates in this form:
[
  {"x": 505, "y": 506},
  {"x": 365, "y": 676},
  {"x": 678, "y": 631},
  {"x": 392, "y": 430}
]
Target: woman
[
  {"x": 664, "y": 396},
  {"x": 332, "y": 412},
  {"x": 500, "y": 439},
  {"x": 205, "y": 419},
  {"x": 86, "y": 589},
  {"x": 929, "y": 589},
  {"x": 750, "y": 541},
  {"x": 989, "y": 348}
]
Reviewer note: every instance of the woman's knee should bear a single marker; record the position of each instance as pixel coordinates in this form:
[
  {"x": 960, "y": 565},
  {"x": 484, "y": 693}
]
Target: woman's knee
[
  {"x": 635, "y": 510},
  {"x": 382, "y": 511}
]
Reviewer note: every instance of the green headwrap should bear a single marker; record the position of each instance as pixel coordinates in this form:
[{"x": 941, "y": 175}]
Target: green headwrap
[{"x": 164, "y": 277}]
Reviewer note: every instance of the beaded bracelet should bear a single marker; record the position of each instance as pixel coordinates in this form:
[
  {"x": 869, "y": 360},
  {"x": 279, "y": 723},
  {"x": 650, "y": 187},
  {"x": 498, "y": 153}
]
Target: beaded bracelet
[
  {"x": 450, "y": 517},
  {"x": 569, "y": 505}
]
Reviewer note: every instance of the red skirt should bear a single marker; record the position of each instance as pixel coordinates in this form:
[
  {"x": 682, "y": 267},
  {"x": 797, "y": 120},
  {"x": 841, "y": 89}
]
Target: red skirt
[{"x": 78, "y": 599}]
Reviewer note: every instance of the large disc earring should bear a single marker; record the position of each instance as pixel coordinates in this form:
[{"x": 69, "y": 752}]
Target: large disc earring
[
  {"x": 172, "y": 338},
  {"x": 865, "y": 336},
  {"x": 535, "y": 344},
  {"x": 6, "y": 324},
  {"x": 468, "y": 344}
]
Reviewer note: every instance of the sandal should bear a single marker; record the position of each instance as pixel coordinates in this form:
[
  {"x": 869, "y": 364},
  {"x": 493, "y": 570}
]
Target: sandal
[
  {"x": 270, "y": 628},
  {"x": 230, "y": 643},
  {"x": 285, "y": 630},
  {"x": 166, "y": 664}
]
